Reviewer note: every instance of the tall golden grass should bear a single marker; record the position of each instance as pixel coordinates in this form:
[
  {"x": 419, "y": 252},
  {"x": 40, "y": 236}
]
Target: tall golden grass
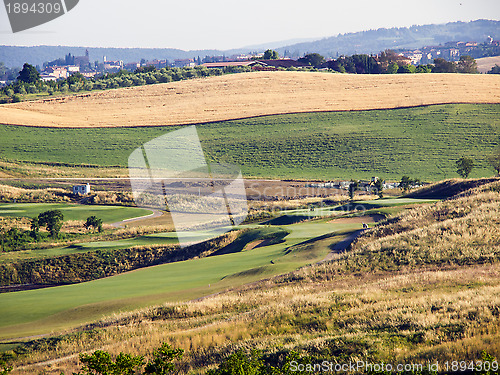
[
  {"x": 250, "y": 94},
  {"x": 434, "y": 296}
]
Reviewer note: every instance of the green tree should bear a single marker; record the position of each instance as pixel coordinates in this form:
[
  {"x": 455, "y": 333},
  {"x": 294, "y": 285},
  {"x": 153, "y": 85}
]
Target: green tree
[
  {"x": 467, "y": 64},
  {"x": 406, "y": 69},
  {"x": 392, "y": 68},
  {"x": 52, "y": 220},
  {"x": 2, "y": 238},
  {"x": 464, "y": 166},
  {"x": 100, "y": 363},
  {"x": 494, "y": 160},
  {"x": 28, "y": 74},
  {"x": 443, "y": 66},
  {"x": 75, "y": 78},
  {"x": 5, "y": 369},
  {"x": 407, "y": 183},
  {"x": 271, "y": 55},
  {"x": 35, "y": 228},
  {"x": 94, "y": 222},
  {"x": 313, "y": 59},
  {"x": 379, "y": 185},
  {"x": 240, "y": 363},
  {"x": 354, "y": 185},
  {"x": 495, "y": 69},
  {"x": 162, "y": 360},
  {"x": 424, "y": 69}
]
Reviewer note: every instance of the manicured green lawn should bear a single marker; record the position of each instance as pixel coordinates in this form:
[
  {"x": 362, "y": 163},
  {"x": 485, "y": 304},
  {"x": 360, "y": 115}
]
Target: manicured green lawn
[
  {"x": 108, "y": 214},
  {"x": 421, "y": 142},
  {"x": 38, "y": 311}
]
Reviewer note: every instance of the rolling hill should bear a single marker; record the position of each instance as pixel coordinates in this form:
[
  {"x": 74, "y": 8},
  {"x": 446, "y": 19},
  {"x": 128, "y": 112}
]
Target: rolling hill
[
  {"x": 416, "y": 36},
  {"x": 422, "y": 142},
  {"x": 485, "y": 64},
  {"x": 249, "y": 95},
  {"x": 369, "y": 41}
]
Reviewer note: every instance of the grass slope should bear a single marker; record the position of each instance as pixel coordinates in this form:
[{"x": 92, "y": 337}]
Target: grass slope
[
  {"x": 421, "y": 142},
  {"x": 420, "y": 287},
  {"x": 42, "y": 310}
]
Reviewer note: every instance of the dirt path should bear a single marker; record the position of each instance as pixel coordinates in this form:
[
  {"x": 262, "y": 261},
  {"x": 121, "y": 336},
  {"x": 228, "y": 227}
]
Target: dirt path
[{"x": 121, "y": 224}]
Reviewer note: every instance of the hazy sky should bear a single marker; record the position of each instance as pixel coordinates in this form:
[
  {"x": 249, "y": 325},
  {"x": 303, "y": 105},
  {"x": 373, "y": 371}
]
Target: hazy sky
[{"x": 224, "y": 24}]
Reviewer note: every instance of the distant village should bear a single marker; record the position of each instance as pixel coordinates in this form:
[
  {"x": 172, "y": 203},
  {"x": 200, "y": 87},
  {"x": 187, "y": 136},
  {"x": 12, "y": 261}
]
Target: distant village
[{"x": 65, "y": 67}]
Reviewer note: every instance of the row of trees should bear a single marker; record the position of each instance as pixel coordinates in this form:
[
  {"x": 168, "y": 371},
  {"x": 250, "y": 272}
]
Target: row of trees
[
  {"x": 29, "y": 82},
  {"x": 392, "y": 63},
  {"x": 389, "y": 62},
  {"x": 164, "y": 361}
]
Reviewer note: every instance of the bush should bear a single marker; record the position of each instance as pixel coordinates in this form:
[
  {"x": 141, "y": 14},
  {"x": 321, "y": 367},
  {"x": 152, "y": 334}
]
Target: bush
[
  {"x": 32, "y": 89},
  {"x": 495, "y": 69},
  {"x": 101, "y": 363},
  {"x": 405, "y": 69},
  {"x": 16, "y": 98}
]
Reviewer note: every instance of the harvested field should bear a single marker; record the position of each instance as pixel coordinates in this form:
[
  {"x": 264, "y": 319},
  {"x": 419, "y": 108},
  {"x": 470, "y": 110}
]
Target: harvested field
[
  {"x": 250, "y": 94},
  {"x": 485, "y": 64}
]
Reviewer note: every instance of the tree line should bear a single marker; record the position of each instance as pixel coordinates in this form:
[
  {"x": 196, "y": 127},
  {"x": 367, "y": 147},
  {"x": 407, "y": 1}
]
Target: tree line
[
  {"x": 29, "y": 82},
  {"x": 389, "y": 62}
]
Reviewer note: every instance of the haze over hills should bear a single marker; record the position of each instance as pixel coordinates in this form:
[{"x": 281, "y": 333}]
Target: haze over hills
[
  {"x": 371, "y": 41},
  {"x": 374, "y": 41}
]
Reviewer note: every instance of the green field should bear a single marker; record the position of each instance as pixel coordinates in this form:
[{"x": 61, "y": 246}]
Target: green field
[
  {"x": 108, "y": 214},
  {"x": 43, "y": 310},
  {"x": 421, "y": 142}
]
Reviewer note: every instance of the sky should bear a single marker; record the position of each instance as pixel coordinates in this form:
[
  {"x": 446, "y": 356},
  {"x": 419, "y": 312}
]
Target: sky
[{"x": 224, "y": 24}]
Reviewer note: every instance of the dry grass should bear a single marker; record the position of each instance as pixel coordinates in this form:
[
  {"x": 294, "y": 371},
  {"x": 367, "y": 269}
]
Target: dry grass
[
  {"x": 464, "y": 230},
  {"x": 435, "y": 297},
  {"x": 11, "y": 193},
  {"x": 398, "y": 318},
  {"x": 485, "y": 64},
  {"x": 250, "y": 94},
  {"x": 9, "y": 169}
]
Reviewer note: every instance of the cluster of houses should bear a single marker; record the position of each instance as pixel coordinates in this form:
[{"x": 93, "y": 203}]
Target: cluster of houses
[
  {"x": 363, "y": 185},
  {"x": 450, "y": 51},
  {"x": 81, "y": 64}
]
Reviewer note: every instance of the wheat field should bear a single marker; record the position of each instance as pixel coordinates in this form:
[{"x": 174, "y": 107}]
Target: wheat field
[{"x": 250, "y": 94}]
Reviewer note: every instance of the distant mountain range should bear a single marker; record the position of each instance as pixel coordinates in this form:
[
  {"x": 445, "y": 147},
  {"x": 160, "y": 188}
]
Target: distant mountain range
[{"x": 372, "y": 41}]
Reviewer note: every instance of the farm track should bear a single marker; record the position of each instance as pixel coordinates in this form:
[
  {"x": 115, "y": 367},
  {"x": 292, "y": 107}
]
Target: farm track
[
  {"x": 120, "y": 224},
  {"x": 247, "y": 95}
]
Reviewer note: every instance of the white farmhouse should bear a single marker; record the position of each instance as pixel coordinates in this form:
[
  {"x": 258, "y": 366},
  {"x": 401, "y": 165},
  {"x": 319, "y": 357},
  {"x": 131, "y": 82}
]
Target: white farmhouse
[{"x": 81, "y": 189}]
